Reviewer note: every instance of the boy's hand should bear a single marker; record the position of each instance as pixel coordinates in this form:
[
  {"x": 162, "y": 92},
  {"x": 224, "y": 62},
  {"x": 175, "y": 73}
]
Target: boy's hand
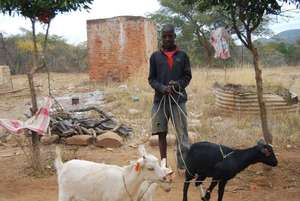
[{"x": 167, "y": 90}]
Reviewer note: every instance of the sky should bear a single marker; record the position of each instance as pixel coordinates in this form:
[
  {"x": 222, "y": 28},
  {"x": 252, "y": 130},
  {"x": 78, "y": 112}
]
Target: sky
[{"x": 72, "y": 26}]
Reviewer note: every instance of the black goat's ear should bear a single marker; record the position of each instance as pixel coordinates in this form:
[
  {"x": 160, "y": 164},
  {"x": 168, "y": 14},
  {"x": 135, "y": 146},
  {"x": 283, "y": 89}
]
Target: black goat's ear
[{"x": 266, "y": 152}]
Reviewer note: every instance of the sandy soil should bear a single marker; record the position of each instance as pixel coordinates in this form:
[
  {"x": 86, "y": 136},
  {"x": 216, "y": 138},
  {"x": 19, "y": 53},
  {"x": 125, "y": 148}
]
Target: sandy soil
[
  {"x": 281, "y": 184},
  {"x": 16, "y": 184}
]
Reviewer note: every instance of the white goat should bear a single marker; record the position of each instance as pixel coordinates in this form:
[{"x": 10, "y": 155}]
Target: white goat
[
  {"x": 80, "y": 180},
  {"x": 147, "y": 189}
]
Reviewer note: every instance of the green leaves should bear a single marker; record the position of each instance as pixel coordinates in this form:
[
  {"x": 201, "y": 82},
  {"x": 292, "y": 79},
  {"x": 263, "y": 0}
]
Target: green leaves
[
  {"x": 43, "y": 10},
  {"x": 245, "y": 15}
]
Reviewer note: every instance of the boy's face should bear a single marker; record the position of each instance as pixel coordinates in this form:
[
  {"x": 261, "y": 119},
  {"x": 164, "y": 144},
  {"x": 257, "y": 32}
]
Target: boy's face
[{"x": 168, "y": 39}]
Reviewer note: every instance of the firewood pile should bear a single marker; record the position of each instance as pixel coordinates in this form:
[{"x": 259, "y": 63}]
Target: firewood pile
[{"x": 68, "y": 124}]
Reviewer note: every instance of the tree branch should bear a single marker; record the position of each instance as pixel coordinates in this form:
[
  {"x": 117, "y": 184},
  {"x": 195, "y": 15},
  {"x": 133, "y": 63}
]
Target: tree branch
[{"x": 238, "y": 32}]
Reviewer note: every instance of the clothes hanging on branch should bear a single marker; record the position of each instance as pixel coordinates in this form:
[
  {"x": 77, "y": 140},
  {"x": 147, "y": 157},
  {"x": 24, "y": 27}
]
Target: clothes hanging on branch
[{"x": 219, "y": 39}]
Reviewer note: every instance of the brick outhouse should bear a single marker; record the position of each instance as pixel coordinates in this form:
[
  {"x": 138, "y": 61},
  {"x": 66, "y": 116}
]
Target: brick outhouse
[{"x": 119, "y": 46}]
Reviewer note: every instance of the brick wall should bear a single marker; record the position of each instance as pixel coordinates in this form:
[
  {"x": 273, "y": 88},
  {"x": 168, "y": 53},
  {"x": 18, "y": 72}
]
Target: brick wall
[{"x": 119, "y": 46}]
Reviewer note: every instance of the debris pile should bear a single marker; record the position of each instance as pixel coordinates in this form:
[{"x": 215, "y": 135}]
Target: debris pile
[{"x": 67, "y": 124}]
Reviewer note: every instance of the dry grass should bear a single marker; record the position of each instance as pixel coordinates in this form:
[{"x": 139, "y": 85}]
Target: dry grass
[{"x": 204, "y": 119}]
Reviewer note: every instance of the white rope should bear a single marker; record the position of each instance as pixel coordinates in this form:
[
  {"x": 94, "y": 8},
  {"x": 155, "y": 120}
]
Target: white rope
[
  {"x": 125, "y": 186},
  {"x": 199, "y": 181},
  {"x": 178, "y": 106},
  {"x": 141, "y": 195},
  {"x": 176, "y": 133},
  {"x": 225, "y": 155}
]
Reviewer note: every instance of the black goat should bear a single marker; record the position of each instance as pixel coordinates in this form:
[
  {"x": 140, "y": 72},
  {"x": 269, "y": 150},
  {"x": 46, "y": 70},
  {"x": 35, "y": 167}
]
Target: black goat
[{"x": 222, "y": 163}]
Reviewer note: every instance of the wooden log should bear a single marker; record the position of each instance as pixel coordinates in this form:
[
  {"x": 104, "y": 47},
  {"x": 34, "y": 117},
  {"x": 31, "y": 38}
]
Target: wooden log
[{"x": 85, "y": 131}]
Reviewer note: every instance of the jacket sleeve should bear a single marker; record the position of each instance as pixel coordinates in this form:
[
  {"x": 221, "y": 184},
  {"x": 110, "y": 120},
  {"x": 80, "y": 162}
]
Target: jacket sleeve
[
  {"x": 187, "y": 73},
  {"x": 152, "y": 78}
]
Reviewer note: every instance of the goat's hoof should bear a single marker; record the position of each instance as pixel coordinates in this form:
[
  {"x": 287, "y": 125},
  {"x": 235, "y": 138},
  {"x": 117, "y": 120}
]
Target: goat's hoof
[
  {"x": 197, "y": 183},
  {"x": 207, "y": 196},
  {"x": 204, "y": 199}
]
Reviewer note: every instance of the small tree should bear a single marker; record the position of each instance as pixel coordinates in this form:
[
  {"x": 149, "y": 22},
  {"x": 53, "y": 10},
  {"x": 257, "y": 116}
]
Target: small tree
[
  {"x": 249, "y": 14},
  {"x": 42, "y": 11}
]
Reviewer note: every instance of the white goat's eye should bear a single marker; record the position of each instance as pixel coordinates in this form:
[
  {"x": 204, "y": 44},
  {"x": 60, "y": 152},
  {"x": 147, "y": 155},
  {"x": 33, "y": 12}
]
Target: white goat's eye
[{"x": 150, "y": 168}]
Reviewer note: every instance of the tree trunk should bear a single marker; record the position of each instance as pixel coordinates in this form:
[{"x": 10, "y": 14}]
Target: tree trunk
[
  {"x": 36, "y": 159},
  {"x": 209, "y": 54},
  {"x": 259, "y": 87},
  {"x": 44, "y": 57}
]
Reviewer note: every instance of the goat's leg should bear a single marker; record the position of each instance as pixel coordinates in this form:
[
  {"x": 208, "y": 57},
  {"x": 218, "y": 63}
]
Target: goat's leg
[
  {"x": 199, "y": 180},
  {"x": 209, "y": 190},
  {"x": 198, "y": 184},
  {"x": 221, "y": 190},
  {"x": 186, "y": 185}
]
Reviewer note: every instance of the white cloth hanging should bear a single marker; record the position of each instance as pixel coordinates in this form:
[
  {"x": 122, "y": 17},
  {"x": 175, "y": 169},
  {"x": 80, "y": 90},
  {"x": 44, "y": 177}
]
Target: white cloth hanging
[{"x": 219, "y": 39}]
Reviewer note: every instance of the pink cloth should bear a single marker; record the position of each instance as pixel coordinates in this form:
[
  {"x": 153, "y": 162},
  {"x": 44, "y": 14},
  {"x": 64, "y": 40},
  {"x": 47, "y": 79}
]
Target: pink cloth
[
  {"x": 219, "y": 40},
  {"x": 38, "y": 123}
]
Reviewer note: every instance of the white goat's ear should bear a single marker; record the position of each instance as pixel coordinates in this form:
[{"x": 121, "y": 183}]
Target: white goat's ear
[
  {"x": 142, "y": 150},
  {"x": 163, "y": 163}
]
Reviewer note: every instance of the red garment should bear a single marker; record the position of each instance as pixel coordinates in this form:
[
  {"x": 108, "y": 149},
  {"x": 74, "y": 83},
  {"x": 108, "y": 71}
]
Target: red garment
[{"x": 170, "y": 58}]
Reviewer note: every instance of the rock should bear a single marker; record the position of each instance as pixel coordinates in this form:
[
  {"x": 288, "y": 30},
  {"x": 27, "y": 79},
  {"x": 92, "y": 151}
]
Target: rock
[
  {"x": 196, "y": 115},
  {"x": 132, "y": 146},
  {"x": 192, "y": 137},
  {"x": 217, "y": 119},
  {"x": 109, "y": 140},
  {"x": 2, "y": 144},
  {"x": 123, "y": 87},
  {"x": 14, "y": 139},
  {"x": 171, "y": 140},
  {"x": 49, "y": 139},
  {"x": 153, "y": 140},
  {"x": 3, "y": 135},
  {"x": 133, "y": 111},
  {"x": 261, "y": 173},
  {"x": 195, "y": 121},
  {"x": 2, "y": 131},
  {"x": 135, "y": 98},
  {"x": 82, "y": 140}
]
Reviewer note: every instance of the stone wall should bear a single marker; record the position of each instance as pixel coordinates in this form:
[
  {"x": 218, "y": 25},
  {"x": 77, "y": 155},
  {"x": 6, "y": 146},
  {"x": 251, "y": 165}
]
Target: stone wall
[{"x": 119, "y": 46}]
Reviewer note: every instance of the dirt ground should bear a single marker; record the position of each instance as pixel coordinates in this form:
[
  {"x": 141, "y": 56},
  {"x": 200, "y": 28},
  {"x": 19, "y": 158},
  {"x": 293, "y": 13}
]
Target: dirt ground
[
  {"x": 17, "y": 184},
  {"x": 281, "y": 184}
]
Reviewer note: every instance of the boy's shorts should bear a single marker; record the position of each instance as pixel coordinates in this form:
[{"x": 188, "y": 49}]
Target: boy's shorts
[{"x": 161, "y": 117}]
